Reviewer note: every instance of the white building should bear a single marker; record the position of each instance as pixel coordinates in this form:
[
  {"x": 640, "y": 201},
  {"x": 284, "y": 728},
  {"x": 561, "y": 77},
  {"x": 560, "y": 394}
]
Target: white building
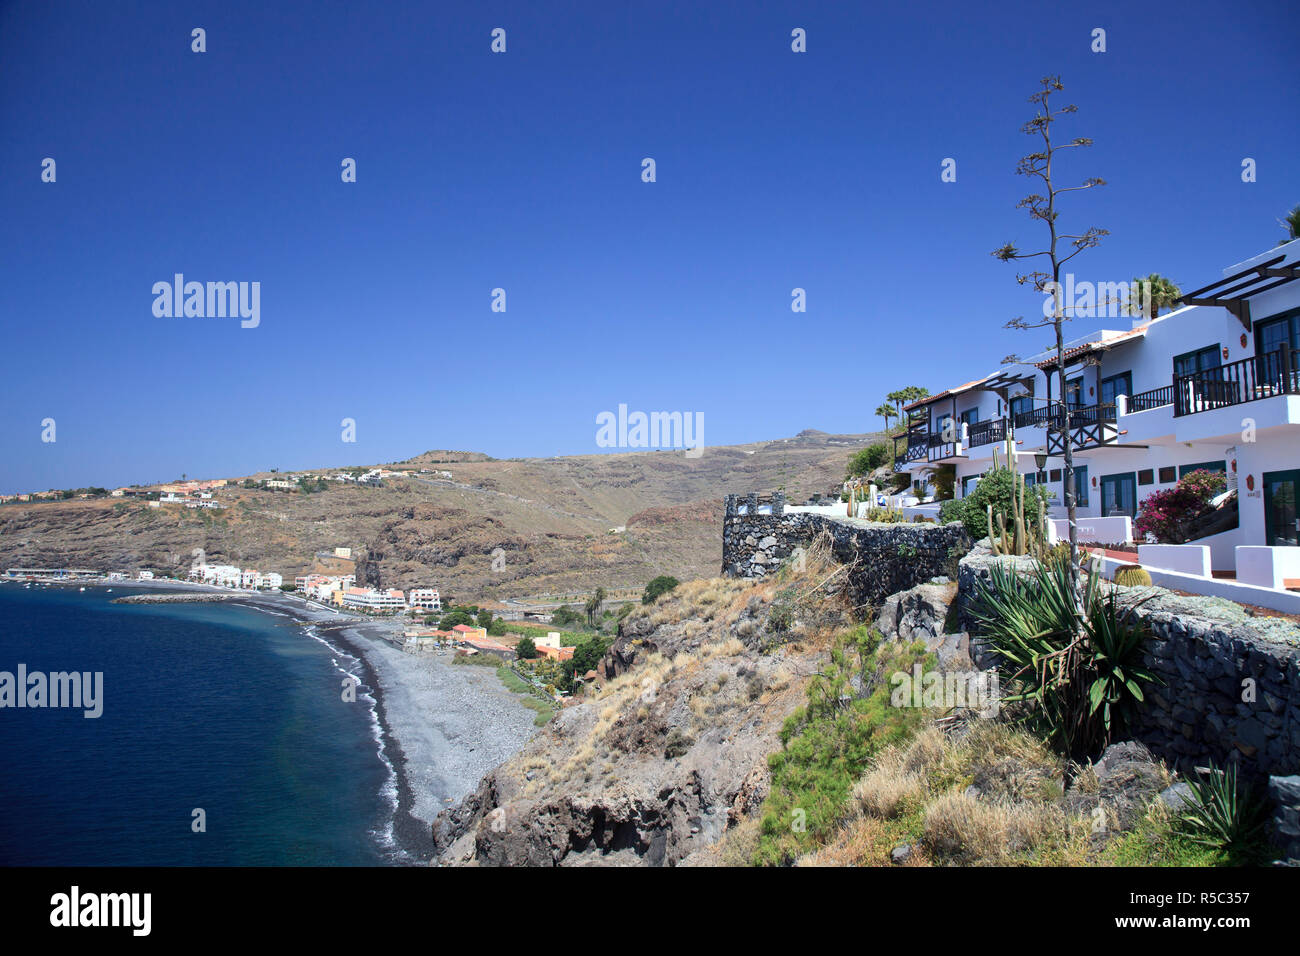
[
  {"x": 144, "y": 576},
  {"x": 270, "y": 580},
  {"x": 222, "y": 575},
  {"x": 374, "y": 599},
  {"x": 426, "y": 598},
  {"x": 1213, "y": 385}
]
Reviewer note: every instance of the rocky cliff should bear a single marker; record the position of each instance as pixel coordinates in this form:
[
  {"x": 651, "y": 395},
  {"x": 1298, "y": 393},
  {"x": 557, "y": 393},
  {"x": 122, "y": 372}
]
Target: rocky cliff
[{"x": 670, "y": 753}]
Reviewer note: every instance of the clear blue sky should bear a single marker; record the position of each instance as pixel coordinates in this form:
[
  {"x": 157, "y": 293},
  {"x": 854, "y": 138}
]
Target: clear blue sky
[{"x": 775, "y": 170}]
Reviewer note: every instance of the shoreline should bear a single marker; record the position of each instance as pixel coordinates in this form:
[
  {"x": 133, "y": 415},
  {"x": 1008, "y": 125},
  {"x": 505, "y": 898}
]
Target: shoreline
[{"x": 439, "y": 728}]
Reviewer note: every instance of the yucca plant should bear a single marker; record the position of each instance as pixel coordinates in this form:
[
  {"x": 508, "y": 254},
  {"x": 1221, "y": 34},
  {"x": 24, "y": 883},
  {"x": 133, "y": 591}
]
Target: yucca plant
[{"x": 1223, "y": 813}]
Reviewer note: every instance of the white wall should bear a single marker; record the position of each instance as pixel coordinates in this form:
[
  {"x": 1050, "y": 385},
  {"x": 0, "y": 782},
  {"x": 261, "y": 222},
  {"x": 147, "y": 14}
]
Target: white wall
[
  {"x": 1185, "y": 558},
  {"x": 1267, "y": 567}
]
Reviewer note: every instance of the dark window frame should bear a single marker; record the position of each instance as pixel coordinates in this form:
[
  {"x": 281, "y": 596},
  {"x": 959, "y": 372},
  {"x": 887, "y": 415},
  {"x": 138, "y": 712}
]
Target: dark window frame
[
  {"x": 1219, "y": 466},
  {"x": 1216, "y": 349},
  {"x": 1101, "y": 387},
  {"x": 1291, "y": 317}
]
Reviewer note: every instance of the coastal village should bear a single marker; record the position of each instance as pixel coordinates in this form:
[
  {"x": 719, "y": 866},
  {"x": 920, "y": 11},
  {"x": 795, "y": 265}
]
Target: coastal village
[{"x": 1183, "y": 431}]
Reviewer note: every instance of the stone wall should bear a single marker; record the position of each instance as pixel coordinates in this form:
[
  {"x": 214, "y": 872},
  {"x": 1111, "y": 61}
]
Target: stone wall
[
  {"x": 1231, "y": 688},
  {"x": 883, "y": 558}
]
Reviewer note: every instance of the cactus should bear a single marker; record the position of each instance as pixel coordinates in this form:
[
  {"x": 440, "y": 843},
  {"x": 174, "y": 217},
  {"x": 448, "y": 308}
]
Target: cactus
[
  {"x": 1132, "y": 576},
  {"x": 1013, "y": 534}
]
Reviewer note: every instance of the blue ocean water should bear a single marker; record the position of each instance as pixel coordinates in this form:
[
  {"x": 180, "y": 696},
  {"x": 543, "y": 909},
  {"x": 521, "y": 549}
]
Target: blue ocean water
[{"x": 205, "y": 706}]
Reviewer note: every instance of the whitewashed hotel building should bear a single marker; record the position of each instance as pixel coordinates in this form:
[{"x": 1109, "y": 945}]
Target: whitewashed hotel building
[
  {"x": 374, "y": 599},
  {"x": 425, "y": 598},
  {"x": 1214, "y": 384}
]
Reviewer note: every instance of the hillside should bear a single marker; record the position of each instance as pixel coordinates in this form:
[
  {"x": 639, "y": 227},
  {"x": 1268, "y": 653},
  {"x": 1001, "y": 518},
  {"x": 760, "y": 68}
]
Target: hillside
[{"x": 552, "y": 519}]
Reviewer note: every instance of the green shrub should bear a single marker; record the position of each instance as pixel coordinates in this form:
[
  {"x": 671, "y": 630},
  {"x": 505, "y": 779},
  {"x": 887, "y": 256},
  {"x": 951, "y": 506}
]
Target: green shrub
[
  {"x": 828, "y": 744},
  {"x": 526, "y": 649},
  {"x": 1132, "y": 576},
  {"x": 997, "y": 488},
  {"x": 952, "y": 510},
  {"x": 659, "y": 586},
  {"x": 869, "y": 459}
]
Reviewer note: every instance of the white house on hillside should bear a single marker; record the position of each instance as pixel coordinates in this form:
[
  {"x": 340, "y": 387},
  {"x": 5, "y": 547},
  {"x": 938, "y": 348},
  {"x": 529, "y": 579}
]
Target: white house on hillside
[{"x": 1214, "y": 385}]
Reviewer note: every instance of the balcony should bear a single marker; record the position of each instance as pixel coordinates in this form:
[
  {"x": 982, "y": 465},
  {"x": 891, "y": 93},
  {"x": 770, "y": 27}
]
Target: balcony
[
  {"x": 1040, "y": 417},
  {"x": 1246, "y": 380},
  {"x": 1090, "y": 427},
  {"x": 913, "y": 446},
  {"x": 986, "y": 433}
]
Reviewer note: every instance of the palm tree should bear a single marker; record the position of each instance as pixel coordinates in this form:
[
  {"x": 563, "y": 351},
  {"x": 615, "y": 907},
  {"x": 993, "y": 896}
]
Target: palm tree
[
  {"x": 897, "y": 398},
  {"x": 886, "y": 411},
  {"x": 1152, "y": 294},
  {"x": 593, "y": 605},
  {"x": 905, "y": 396},
  {"x": 1291, "y": 224}
]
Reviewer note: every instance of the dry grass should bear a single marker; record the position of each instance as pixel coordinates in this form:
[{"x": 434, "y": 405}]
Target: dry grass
[
  {"x": 964, "y": 829},
  {"x": 987, "y": 797},
  {"x": 888, "y": 789}
]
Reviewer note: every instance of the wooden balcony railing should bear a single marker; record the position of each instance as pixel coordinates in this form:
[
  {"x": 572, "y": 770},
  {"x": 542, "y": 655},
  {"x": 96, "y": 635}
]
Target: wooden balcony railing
[
  {"x": 1090, "y": 427},
  {"x": 1246, "y": 380},
  {"x": 1038, "y": 417},
  {"x": 910, "y": 447},
  {"x": 985, "y": 433},
  {"x": 1155, "y": 398}
]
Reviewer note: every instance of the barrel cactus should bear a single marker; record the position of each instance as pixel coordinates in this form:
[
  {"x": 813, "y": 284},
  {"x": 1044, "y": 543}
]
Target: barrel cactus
[{"x": 1132, "y": 576}]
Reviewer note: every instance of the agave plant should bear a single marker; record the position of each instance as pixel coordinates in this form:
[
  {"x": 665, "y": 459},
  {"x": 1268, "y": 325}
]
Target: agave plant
[
  {"x": 1222, "y": 812},
  {"x": 1082, "y": 678},
  {"x": 1113, "y": 658}
]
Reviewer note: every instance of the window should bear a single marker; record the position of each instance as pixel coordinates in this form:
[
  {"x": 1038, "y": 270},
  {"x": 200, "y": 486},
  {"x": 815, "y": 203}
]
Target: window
[
  {"x": 1119, "y": 495},
  {"x": 1074, "y": 392},
  {"x": 1146, "y": 477},
  {"x": 1081, "y": 486},
  {"x": 1113, "y": 385},
  {"x": 970, "y": 416},
  {"x": 1168, "y": 474},
  {"x": 1220, "y": 465},
  {"x": 1201, "y": 360},
  {"x": 1022, "y": 405},
  {"x": 1056, "y": 474},
  {"x": 968, "y": 484},
  {"x": 1274, "y": 334}
]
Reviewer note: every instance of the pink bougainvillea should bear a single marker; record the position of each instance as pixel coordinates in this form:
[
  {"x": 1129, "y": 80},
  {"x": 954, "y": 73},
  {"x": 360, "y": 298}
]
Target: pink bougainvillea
[{"x": 1168, "y": 513}]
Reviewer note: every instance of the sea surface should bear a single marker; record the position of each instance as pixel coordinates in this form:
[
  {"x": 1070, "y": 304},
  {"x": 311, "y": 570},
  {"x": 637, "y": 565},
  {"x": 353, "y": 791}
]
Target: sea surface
[{"x": 205, "y": 706}]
